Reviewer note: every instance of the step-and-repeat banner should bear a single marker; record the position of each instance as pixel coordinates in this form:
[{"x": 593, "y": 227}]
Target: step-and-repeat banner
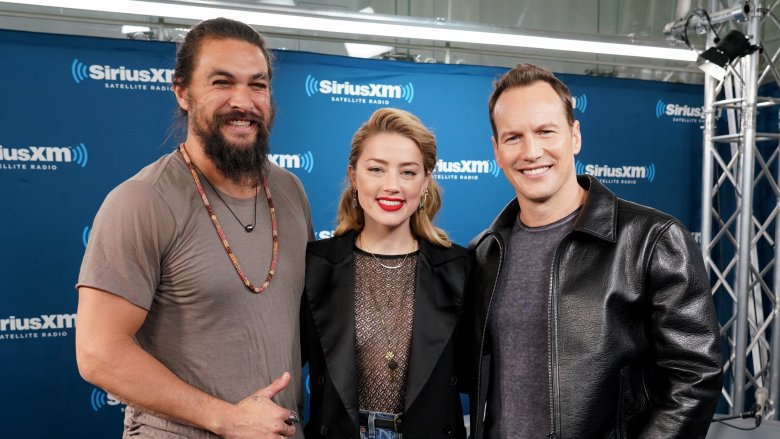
[{"x": 79, "y": 115}]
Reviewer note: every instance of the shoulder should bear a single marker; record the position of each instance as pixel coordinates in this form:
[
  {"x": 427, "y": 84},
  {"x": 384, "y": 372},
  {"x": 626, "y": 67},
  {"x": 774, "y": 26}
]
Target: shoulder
[
  {"x": 640, "y": 218},
  {"x": 155, "y": 186},
  {"x": 653, "y": 229},
  {"x": 441, "y": 255},
  {"x": 333, "y": 249},
  {"x": 283, "y": 179},
  {"x": 286, "y": 186}
]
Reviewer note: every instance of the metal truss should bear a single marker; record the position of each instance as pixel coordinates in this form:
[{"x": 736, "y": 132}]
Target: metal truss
[{"x": 741, "y": 214}]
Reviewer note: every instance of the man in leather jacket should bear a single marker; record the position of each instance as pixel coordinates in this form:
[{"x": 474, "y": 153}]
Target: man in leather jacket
[{"x": 593, "y": 314}]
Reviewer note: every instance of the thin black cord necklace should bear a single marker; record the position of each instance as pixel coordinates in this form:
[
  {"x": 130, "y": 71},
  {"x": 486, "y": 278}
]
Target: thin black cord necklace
[{"x": 248, "y": 227}]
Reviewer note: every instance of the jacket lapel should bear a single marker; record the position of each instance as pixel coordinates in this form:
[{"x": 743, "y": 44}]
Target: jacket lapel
[
  {"x": 332, "y": 304},
  {"x": 438, "y": 299}
]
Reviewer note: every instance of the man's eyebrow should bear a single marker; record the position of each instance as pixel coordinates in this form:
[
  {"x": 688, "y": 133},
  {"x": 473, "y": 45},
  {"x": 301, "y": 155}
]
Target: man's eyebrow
[{"x": 261, "y": 75}]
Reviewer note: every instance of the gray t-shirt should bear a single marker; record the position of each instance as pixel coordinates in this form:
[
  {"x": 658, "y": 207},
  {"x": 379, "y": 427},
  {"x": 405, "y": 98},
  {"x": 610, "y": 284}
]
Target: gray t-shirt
[
  {"x": 518, "y": 403},
  {"x": 154, "y": 244}
]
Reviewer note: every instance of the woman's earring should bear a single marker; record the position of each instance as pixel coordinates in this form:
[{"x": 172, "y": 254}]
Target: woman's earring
[
  {"x": 423, "y": 200},
  {"x": 354, "y": 198}
]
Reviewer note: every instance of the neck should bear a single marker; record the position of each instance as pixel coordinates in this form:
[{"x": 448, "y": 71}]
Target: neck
[
  {"x": 534, "y": 214},
  {"x": 204, "y": 164},
  {"x": 386, "y": 242}
]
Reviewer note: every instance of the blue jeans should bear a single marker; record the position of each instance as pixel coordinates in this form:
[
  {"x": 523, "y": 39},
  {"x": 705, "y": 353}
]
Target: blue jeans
[{"x": 371, "y": 432}]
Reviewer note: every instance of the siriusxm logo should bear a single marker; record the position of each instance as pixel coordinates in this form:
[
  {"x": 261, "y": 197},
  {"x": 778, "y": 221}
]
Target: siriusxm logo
[
  {"x": 625, "y": 172},
  {"x": 465, "y": 169},
  {"x": 380, "y": 91},
  {"x": 51, "y": 321},
  {"x": 469, "y": 167},
  {"x": 80, "y": 72},
  {"x": 294, "y": 161},
  {"x": 662, "y": 109},
  {"x": 580, "y": 103},
  {"x": 100, "y": 399},
  {"x": 46, "y": 154}
]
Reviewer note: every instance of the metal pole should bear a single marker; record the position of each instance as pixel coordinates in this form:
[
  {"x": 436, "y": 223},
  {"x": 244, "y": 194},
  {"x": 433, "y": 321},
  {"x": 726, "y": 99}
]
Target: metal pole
[
  {"x": 707, "y": 154},
  {"x": 745, "y": 232},
  {"x": 774, "y": 355}
]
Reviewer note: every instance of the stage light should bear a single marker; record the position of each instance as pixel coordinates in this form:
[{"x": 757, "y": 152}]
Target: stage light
[
  {"x": 138, "y": 32},
  {"x": 733, "y": 46},
  {"x": 368, "y": 25}
]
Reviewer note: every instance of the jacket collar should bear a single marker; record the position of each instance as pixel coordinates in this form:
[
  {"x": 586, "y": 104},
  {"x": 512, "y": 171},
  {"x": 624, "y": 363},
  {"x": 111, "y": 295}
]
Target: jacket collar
[
  {"x": 343, "y": 247},
  {"x": 597, "y": 218},
  {"x": 429, "y": 335}
]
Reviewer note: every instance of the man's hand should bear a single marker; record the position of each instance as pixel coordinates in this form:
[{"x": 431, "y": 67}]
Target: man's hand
[{"x": 258, "y": 417}]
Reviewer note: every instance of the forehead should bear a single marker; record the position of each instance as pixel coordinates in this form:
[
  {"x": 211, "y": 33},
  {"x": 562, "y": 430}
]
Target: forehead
[
  {"x": 390, "y": 147},
  {"x": 530, "y": 102},
  {"x": 231, "y": 55}
]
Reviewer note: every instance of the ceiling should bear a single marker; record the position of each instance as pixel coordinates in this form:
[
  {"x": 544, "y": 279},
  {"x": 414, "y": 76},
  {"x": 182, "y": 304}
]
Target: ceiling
[{"x": 628, "y": 20}]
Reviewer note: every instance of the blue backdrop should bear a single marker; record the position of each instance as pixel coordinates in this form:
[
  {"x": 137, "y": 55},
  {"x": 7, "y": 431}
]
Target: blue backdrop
[{"x": 79, "y": 115}]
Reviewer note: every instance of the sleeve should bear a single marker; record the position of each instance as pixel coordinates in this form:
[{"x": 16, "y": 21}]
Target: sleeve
[
  {"x": 306, "y": 208},
  {"x": 685, "y": 336},
  {"x": 465, "y": 333},
  {"x": 129, "y": 239}
]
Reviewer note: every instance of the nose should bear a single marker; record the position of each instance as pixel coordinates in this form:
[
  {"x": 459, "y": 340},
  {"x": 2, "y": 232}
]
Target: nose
[
  {"x": 531, "y": 150},
  {"x": 241, "y": 99},
  {"x": 390, "y": 183}
]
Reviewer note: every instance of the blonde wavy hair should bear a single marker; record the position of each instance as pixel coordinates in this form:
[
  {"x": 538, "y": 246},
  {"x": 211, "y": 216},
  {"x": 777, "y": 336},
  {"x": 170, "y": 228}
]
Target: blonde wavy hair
[{"x": 393, "y": 120}]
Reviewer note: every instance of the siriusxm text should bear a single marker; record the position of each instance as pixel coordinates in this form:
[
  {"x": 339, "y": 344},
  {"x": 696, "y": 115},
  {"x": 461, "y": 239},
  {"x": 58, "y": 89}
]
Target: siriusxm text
[
  {"x": 108, "y": 73},
  {"x": 36, "y": 154},
  {"x": 371, "y": 90},
  {"x": 465, "y": 166},
  {"x": 616, "y": 171},
  {"x": 684, "y": 110},
  {"x": 285, "y": 160},
  {"x": 51, "y": 321}
]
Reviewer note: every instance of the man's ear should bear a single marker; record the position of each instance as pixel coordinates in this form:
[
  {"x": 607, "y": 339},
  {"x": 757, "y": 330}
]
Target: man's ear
[
  {"x": 576, "y": 137},
  {"x": 495, "y": 151},
  {"x": 182, "y": 97}
]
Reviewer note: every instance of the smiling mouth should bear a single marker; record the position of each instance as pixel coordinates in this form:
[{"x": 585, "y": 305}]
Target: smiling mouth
[
  {"x": 390, "y": 205},
  {"x": 535, "y": 171},
  {"x": 240, "y": 122}
]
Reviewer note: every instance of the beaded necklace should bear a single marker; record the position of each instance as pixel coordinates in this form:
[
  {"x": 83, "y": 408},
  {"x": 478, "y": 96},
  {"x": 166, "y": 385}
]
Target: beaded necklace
[{"x": 221, "y": 233}]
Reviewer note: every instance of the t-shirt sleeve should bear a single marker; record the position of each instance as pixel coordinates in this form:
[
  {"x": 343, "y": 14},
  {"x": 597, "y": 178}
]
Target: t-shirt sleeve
[
  {"x": 306, "y": 207},
  {"x": 128, "y": 242}
]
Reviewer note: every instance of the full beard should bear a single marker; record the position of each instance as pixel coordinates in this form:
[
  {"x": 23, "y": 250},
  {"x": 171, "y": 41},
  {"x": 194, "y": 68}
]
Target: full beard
[{"x": 245, "y": 165}]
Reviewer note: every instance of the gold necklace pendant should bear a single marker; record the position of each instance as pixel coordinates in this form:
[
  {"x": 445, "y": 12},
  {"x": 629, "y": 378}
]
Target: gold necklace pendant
[{"x": 392, "y": 365}]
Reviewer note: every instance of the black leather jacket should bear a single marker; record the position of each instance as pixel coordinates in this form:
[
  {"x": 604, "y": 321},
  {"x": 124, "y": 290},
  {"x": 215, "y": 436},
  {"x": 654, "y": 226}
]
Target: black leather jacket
[{"x": 634, "y": 346}]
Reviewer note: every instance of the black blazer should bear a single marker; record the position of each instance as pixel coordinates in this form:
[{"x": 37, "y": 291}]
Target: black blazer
[{"x": 438, "y": 362}]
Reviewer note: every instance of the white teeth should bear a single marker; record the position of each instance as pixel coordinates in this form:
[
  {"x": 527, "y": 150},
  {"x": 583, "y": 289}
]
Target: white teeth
[
  {"x": 239, "y": 123},
  {"x": 389, "y": 203},
  {"x": 535, "y": 171}
]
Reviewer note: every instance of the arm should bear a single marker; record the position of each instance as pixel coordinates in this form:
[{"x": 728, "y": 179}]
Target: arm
[
  {"x": 109, "y": 357},
  {"x": 684, "y": 333}
]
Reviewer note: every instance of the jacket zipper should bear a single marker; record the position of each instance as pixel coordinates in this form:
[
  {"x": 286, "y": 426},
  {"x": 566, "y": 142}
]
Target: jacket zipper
[
  {"x": 484, "y": 329},
  {"x": 552, "y": 342},
  {"x": 550, "y": 324}
]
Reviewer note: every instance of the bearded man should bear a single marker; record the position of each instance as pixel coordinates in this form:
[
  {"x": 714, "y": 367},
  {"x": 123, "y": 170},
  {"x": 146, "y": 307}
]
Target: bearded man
[{"x": 190, "y": 287}]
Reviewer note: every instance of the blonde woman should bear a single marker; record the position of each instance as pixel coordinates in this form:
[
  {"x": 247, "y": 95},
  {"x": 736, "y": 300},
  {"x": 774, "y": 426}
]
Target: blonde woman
[{"x": 381, "y": 314}]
